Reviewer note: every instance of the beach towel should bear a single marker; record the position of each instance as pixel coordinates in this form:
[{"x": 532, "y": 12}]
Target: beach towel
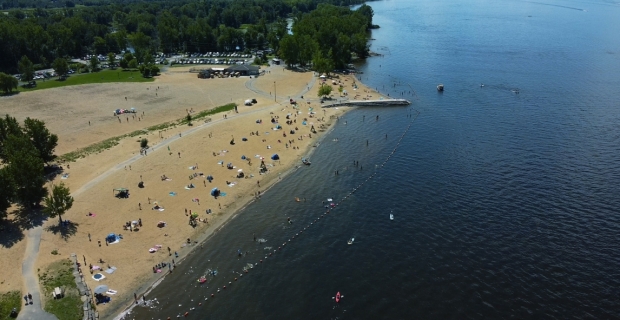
[
  {"x": 222, "y": 194},
  {"x": 172, "y": 193},
  {"x": 65, "y": 176},
  {"x": 110, "y": 270}
]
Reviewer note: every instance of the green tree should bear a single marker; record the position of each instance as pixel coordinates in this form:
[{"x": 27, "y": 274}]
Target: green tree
[
  {"x": 133, "y": 64},
  {"x": 61, "y": 66},
  {"x": 100, "y": 45},
  {"x": 41, "y": 138},
  {"x": 144, "y": 143},
  {"x": 154, "y": 70},
  {"x": 325, "y": 90},
  {"x": 26, "y": 170},
  {"x": 126, "y": 59},
  {"x": 58, "y": 202},
  {"x": 289, "y": 50},
  {"x": 8, "y": 83},
  {"x": 94, "y": 63},
  {"x": 112, "y": 60},
  {"x": 26, "y": 68},
  {"x": 322, "y": 64},
  {"x": 6, "y": 192},
  {"x": 8, "y": 127}
]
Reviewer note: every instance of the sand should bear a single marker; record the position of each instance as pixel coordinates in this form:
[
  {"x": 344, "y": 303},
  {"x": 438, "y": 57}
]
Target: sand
[{"x": 67, "y": 111}]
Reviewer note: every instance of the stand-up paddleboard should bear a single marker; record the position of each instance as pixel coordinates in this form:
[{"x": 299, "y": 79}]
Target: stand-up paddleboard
[
  {"x": 391, "y": 216},
  {"x": 338, "y": 296},
  {"x": 351, "y": 241}
]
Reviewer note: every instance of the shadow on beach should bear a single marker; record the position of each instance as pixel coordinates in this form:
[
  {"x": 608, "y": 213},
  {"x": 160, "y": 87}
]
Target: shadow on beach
[{"x": 66, "y": 229}]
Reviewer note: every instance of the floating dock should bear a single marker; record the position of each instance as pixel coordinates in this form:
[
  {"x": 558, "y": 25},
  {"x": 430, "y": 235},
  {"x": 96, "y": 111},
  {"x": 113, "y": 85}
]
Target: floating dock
[{"x": 368, "y": 103}]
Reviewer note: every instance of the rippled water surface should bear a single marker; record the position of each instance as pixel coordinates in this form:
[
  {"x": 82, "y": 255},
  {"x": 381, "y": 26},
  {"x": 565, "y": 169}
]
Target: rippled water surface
[{"x": 505, "y": 204}]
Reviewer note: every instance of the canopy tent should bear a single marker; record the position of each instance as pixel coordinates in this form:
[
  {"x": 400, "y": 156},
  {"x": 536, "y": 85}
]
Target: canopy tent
[
  {"x": 101, "y": 289},
  {"x": 275, "y": 156},
  {"x": 248, "y": 102},
  {"x": 111, "y": 238},
  {"x": 121, "y": 192}
]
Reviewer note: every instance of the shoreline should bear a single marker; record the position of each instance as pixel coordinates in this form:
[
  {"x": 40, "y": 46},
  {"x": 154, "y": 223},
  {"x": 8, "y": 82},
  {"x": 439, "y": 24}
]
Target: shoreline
[
  {"x": 224, "y": 219},
  {"x": 93, "y": 176},
  {"x": 233, "y": 210}
]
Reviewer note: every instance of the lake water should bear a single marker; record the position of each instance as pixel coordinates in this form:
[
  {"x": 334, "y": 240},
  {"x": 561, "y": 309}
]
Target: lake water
[{"x": 505, "y": 196}]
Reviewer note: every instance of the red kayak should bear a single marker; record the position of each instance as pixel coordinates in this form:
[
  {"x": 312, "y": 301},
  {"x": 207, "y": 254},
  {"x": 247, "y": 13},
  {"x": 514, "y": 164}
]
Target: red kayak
[{"x": 338, "y": 296}]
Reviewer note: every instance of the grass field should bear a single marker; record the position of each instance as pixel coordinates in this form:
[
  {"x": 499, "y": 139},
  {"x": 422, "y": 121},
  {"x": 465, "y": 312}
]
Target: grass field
[
  {"x": 60, "y": 274},
  {"x": 8, "y": 301},
  {"x": 104, "y": 76}
]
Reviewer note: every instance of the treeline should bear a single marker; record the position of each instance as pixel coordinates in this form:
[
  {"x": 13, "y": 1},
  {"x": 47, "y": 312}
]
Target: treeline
[
  {"x": 43, "y": 35},
  {"x": 327, "y": 37},
  {"x": 24, "y": 151}
]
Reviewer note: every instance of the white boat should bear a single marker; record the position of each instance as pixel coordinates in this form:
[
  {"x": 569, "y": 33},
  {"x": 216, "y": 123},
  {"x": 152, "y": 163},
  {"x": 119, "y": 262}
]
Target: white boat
[
  {"x": 391, "y": 216},
  {"x": 351, "y": 241}
]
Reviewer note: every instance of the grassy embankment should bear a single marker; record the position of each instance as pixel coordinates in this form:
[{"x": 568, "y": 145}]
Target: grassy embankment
[
  {"x": 8, "y": 301},
  {"x": 111, "y": 142},
  {"x": 104, "y": 76},
  {"x": 60, "y": 274}
]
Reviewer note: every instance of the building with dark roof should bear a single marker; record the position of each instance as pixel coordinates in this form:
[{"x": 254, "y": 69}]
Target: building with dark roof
[{"x": 244, "y": 69}]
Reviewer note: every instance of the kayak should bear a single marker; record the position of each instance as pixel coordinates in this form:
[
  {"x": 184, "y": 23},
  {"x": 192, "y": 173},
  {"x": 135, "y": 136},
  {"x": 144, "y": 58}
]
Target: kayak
[
  {"x": 202, "y": 280},
  {"x": 338, "y": 296}
]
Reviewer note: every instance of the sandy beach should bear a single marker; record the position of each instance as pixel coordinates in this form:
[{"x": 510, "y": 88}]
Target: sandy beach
[{"x": 185, "y": 155}]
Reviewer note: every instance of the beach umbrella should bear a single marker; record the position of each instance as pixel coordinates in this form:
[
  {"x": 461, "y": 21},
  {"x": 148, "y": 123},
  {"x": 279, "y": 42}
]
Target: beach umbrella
[{"x": 101, "y": 289}]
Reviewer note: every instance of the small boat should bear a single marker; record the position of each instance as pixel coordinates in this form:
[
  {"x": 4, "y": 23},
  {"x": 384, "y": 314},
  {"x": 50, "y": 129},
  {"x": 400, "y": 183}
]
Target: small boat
[
  {"x": 391, "y": 216},
  {"x": 202, "y": 280},
  {"x": 351, "y": 241},
  {"x": 338, "y": 297},
  {"x": 440, "y": 87},
  {"x": 305, "y": 161}
]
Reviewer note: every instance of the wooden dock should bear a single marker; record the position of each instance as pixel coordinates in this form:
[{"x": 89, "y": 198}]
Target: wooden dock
[{"x": 368, "y": 103}]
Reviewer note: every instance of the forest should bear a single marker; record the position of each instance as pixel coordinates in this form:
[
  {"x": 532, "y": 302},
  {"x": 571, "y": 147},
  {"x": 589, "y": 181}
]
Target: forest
[{"x": 44, "y": 31}]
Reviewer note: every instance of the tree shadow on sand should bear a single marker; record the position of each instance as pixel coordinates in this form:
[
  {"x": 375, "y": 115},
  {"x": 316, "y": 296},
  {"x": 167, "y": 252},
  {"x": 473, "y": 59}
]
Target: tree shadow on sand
[
  {"x": 12, "y": 230},
  {"x": 10, "y": 233},
  {"x": 66, "y": 230}
]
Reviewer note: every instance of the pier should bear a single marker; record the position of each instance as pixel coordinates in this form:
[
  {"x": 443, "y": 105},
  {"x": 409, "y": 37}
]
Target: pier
[{"x": 369, "y": 103}]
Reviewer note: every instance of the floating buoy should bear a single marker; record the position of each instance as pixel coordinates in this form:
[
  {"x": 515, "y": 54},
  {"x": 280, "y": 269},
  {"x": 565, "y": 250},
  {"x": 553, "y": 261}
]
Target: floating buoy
[
  {"x": 235, "y": 279},
  {"x": 224, "y": 287},
  {"x": 212, "y": 295},
  {"x": 269, "y": 255},
  {"x": 199, "y": 303},
  {"x": 261, "y": 261},
  {"x": 186, "y": 314}
]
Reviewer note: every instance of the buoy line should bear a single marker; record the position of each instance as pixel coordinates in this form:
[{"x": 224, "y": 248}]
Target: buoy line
[{"x": 332, "y": 207}]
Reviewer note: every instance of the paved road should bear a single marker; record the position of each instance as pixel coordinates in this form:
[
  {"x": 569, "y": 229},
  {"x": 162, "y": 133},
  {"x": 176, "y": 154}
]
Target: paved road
[
  {"x": 33, "y": 236},
  {"x": 33, "y": 311}
]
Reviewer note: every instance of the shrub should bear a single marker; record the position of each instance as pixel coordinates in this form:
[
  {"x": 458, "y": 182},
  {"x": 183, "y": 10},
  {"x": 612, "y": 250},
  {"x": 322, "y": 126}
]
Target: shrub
[{"x": 144, "y": 143}]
